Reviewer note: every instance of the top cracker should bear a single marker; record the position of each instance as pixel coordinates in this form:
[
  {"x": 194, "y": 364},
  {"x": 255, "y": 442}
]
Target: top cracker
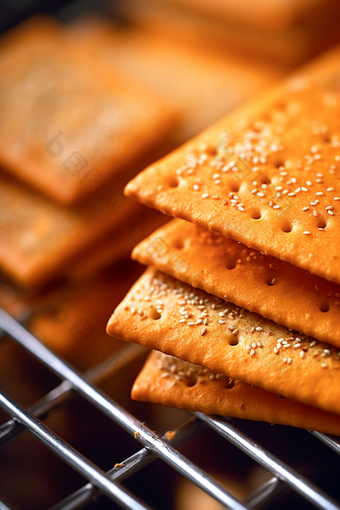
[
  {"x": 267, "y": 176},
  {"x": 65, "y": 117}
]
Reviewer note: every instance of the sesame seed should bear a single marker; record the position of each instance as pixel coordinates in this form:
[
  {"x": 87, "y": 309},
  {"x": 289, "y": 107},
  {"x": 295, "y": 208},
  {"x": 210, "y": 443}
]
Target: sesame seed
[
  {"x": 205, "y": 195},
  {"x": 252, "y": 330},
  {"x": 305, "y": 209},
  {"x": 133, "y": 311},
  {"x": 253, "y": 345},
  {"x": 336, "y": 198},
  {"x": 259, "y": 344},
  {"x": 190, "y": 323},
  {"x": 304, "y": 189},
  {"x": 289, "y": 361},
  {"x": 273, "y": 281},
  {"x": 331, "y": 213},
  {"x": 276, "y": 350},
  {"x": 196, "y": 187},
  {"x": 329, "y": 207},
  {"x": 306, "y": 232},
  {"x": 221, "y": 322},
  {"x": 319, "y": 193},
  {"x": 296, "y": 346},
  {"x": 199, "y": 321},
  {"x": 252, "y": 352},
  {"x": 203, "y": 331},
  {"x": 248, "y": 349},
  {"x": 326, "y": 352},
  {"x": 330, "y": 189},
  {"x": 259, "y": 328},
  {"x": 323, "y": 365},
  {"x": 315, "y": 213},
  {"x": 302, "y": 354}
]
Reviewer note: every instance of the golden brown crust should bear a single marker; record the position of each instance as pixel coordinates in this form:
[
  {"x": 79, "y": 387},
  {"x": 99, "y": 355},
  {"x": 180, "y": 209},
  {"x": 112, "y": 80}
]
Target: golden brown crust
[
  {"x": 165, "y": 314},
  {"x": 248, "y": 278},
  {"x": 200, "y": 390},
  {"x": 51, "y": 87},
  {"x": 266, "y": 176}
]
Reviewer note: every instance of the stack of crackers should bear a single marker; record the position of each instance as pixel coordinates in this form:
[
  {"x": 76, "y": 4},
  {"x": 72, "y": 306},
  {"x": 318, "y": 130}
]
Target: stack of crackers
[{"x": 241, "y": 298}]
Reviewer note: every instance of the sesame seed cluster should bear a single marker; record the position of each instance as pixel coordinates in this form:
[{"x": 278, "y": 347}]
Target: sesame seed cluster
[
  {"x": 186, "y": 372},
  {"x": 159, "y": 296},
  {"x": 267, "y": 176}
]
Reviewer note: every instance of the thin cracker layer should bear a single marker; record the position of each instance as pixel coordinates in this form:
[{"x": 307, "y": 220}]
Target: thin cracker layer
[
  {"x": 165, "y": 314},
  {"x": 171, "y": 382},
  {"x": 267, "y": 176},
  {"x": 40, "y": 239},
  {"x": 260, "y": 283}
]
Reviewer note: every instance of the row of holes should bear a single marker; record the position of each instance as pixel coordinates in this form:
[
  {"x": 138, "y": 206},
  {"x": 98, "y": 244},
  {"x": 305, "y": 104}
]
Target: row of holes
[
  {"x": 178, "y": 244},
  {"x": 255, "y": 213}
]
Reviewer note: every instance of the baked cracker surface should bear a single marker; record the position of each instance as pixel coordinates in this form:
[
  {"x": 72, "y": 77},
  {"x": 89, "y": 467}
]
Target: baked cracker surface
[
  {"x": 260, "y": 283},
  {"x": 69, "y": 122},
  {"x": 165, "y": 314},
  {"x": 176, "y": 383}
]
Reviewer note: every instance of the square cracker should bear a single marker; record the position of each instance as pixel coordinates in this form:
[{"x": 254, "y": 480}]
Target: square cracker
[
  {"x": 41, "y": 240},
  {"x": 260, "y": 283},
  {"x": 165, "y": 314},
  {"x": 176, "y": 383},
  {"x": 267, "y": 175},
  {"x": 52, "y": 89}
]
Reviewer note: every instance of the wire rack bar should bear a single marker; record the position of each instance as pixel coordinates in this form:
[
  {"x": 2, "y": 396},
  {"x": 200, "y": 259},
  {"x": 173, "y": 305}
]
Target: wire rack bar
[
  {"x": 300, "y": 484},
  {"x": 61, "y": 393},
  {"x": 332, "y": 442},
  {"x": 117, "y": 413},
  {"x": 262, "y": 495},
  {"x": 84, "y": 466},
  {"x": 3, "y": 506},
  {"x": 266, "y": 493},
  {"x": 129, "y": 466}
]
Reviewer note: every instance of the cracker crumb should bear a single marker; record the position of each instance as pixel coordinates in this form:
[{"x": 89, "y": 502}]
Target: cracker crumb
[
  {"x": 118, "y": 465},
  {"x": 170, "y": 435}
]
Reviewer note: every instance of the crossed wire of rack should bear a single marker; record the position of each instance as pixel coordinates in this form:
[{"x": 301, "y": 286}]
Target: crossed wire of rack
[{"x": 153, "y": 445}]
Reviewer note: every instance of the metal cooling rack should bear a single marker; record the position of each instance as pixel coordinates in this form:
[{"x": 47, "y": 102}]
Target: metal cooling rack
[{"x": 154, "y": 446}]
